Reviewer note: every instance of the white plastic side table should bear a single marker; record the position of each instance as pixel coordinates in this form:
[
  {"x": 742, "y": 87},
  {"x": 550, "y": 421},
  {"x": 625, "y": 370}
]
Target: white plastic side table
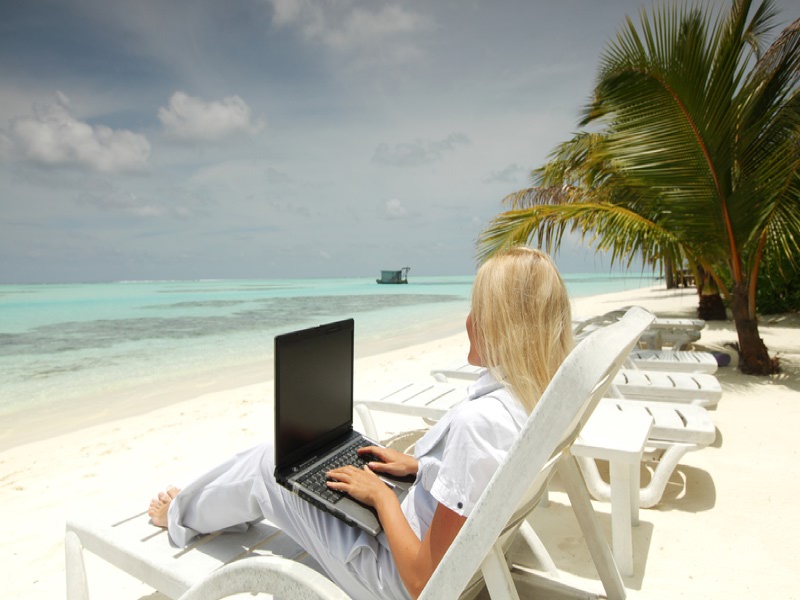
[{"x": 618, "y": 438}]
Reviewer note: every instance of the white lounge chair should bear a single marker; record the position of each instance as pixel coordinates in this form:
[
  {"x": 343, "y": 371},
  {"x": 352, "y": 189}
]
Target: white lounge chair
[
  {"x": 674, "y": 332},
  {"x": 702, "y": 389},
  {"x": 555, "y": 422},
  {"x": 205, "y": 572},
  {"x": 677, "y": 429},
  {"x": 692, "y": 388},
  {"x": 458, "y": 370},
  {"x": 425, "y": 399},
  {"x": 661, "y": 322},
  {"x": 654, "y": 358},
  {"x": 676, "y": 361}
]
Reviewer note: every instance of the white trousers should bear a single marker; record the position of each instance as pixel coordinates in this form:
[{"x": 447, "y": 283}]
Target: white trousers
[{"x": 243, "y": 490}]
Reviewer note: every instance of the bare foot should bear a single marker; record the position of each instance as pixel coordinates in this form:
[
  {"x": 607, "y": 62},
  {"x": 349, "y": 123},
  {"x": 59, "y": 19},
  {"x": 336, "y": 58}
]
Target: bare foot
[{"x": 160, "y": 505}]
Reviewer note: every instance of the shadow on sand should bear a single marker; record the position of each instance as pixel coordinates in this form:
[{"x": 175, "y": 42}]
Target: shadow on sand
[{"x": 689, "y": 490}]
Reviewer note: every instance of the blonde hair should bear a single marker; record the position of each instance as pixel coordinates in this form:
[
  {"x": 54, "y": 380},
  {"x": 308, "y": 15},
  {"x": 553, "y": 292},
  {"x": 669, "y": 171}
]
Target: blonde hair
[{"x": 521, "y": 321}]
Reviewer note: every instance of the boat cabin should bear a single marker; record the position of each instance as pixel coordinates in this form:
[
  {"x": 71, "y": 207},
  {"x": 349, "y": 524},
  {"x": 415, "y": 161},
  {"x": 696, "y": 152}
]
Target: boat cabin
[{"x": 394, "y": 276}]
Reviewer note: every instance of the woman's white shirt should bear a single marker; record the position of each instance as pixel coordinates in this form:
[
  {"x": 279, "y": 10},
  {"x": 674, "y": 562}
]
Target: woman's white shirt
[{"x": 461, "y": 453}]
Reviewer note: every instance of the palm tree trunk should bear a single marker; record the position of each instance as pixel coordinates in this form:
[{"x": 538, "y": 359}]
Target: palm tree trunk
[
  {"x": 753, "y": 356},
  {"x": 711, "y": 308},
  {"x": 669, "y": 275},
  {"x": 710, "y": 305}
]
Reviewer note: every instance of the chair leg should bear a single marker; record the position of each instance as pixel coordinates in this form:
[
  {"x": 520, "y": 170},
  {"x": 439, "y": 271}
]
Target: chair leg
[
  {"x": 77, "y": 585},
  {"x": 651, "y": 495},
  {"x": 367, "y": 421},
  {"x": 597, "y": 488},
  {"x": 528, "y": 536},
  {"x": 497, "y": 576},
  {"x": 587, "y": 519}
]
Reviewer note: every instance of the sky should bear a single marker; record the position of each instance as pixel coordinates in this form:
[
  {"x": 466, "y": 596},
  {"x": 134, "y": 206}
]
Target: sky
[{"x": 202, "y": 139}]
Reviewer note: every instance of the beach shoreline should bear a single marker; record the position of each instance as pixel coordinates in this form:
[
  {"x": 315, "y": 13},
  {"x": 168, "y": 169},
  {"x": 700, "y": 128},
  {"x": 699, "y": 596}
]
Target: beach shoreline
[
  {"x": 99, "y": 407},
  {"x": 731, "y": 531}
]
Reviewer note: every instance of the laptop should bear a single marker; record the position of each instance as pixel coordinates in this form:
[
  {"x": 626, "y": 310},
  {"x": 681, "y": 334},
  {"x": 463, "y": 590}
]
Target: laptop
[{"x": 314, "y": 420}]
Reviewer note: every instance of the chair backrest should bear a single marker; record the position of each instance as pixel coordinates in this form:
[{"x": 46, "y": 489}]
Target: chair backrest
[{"x": 558, "y": 417}]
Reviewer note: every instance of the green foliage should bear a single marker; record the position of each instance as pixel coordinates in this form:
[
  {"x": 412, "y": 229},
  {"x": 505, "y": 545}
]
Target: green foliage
[
  {"x": 778, "y": 289},
  {"x": 778, "y": 294}
]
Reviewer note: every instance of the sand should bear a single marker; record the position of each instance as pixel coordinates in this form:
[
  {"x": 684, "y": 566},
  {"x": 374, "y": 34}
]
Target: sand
[{"x": 727, "y": 526}]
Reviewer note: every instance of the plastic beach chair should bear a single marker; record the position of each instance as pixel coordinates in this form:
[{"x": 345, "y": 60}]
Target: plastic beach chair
[
  {"x": 674, "y": 332},
  {"x": 426, "y": 399},
  {"x": 224, "y": 564},
  {"x": 458, "y": 370},
  {"x": 675, "y": 401},
  {"x": 677, "y": 429},
  {"x": 654, "y": 358},
  {"x": 676, "y": 361},
  {"x": 701, "y": 389},
  {"x": 545, "y": 440},
  {"x": 662, "y": 323}
]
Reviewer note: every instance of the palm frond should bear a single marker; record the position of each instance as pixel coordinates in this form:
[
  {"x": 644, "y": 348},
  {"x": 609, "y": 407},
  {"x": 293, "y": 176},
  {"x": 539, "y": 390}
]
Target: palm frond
[
  {"x": 769, "y": 91},
  {"x": 577, "y": 161},
  {"x": 760, "y": 25},
  {"x": 609, "y": 228},
  {"x": 780, "y": 226},
  {"x": 540, "y": 195}
]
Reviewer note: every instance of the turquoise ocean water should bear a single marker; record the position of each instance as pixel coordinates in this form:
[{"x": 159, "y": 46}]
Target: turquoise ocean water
[{"x": 69, "y": 348}]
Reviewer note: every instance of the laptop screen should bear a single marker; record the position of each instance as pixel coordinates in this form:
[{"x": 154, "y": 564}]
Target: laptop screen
[{"x": 313, "y": 389}]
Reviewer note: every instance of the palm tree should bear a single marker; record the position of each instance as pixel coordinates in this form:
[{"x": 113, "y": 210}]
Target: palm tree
[
  {"x": 577, "y": 173},
  {"x": 694, "y": 155}
]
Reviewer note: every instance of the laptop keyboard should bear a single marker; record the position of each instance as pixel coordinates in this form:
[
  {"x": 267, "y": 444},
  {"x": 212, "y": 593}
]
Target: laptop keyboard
[{"x": 316, "y": 480}]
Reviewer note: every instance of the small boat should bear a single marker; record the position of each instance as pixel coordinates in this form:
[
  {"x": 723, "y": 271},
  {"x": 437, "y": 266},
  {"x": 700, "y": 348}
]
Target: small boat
[{"x": 400, "y": 276}]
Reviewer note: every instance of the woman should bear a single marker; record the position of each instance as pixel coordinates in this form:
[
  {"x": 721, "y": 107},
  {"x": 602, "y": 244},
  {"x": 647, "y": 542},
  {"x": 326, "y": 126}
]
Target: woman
[{"x": 520, "y": 330}]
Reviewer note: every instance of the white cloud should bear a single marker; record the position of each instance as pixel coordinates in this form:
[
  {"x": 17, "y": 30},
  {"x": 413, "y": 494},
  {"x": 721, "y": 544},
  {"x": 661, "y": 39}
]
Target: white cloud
[
  {"x": 394, "y": 209},
  {"x": 345, "y": 27},
  {"x": 511, "y": 174},
  {"x": 274, "y": 175},
  {"x": 6, "y": 147},
  {"x": 125, "y": 202},
  {"x": 103, "y": 196},
  {"x": 287, "y": 11},
  {"x": 53, "y": 136},
  {"x": 361, "y": 27},
  {"x": 191, "y": 118},
  {"x": 418, "y": 152}
]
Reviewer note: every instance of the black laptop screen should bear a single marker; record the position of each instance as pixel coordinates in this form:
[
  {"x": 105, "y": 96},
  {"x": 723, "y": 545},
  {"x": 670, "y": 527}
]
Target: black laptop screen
[{"x": 313, "y": 388}]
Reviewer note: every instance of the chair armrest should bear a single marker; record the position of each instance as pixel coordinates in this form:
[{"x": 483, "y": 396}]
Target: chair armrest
[{"x": 282, "y": 578}]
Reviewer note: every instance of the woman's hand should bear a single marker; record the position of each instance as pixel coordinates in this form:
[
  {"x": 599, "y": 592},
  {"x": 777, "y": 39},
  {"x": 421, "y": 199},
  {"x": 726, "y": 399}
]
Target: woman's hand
[
  {"x": 392, "y": 462},
  {"x": 361, "y": 484}
]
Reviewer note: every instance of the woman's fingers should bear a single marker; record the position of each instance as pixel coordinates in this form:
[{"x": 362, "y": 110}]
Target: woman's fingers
[
  {"x": 363, "y": 485},
  {"x": 384, "y": 464},
  {"x": 348, "y": 474},
  {"x": 340, "y": 472},
  {"x": 390, "y": 461},
  {"x": 379, "y": 466},
  {"x": 376, "y": 451}
]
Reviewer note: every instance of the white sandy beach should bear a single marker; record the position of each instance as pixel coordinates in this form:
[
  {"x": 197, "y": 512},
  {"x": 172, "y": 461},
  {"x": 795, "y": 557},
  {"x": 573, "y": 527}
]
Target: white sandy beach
[{"x": 727, "y": 528}]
